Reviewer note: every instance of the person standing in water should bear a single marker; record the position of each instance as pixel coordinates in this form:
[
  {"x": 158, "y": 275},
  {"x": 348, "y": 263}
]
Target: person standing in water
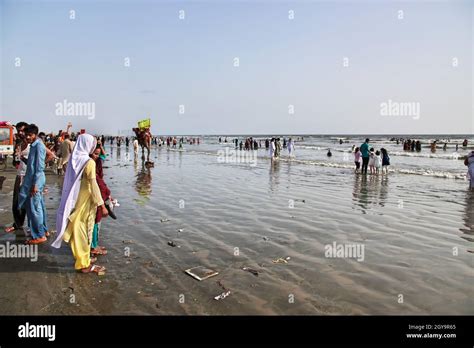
[
  {"x": 79, "y": 202},
  {"x": 385, "y": 160},
  {"x": 357, "y": 157},
  {"x": 290, "y": 147},
  {"x": 277, "y": 148},
  {"x": 469, "y": 162},
  {"x": 272, "y": 148},
  {"x": 364, "y": 150}
]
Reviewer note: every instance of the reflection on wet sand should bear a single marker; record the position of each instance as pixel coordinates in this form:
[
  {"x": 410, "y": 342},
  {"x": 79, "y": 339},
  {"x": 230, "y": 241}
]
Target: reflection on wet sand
[
  {"x": 468, "y": 228},
  {"x": 274, "y": 176},
  {"x": 370, "y": 190},
  {"x": 143, "y": 180}
]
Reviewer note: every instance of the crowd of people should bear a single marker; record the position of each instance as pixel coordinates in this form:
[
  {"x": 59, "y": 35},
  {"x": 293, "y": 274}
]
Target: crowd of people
[
  {"x": 85, "y": 197},
  {"x": 170, "y": 141},
  {"x": 273, "y": 145},
  {"x": 415, "y": 145}
]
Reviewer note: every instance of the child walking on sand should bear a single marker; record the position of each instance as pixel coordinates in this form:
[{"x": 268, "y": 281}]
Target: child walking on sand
[
  {"x": 372, "y": 161},
  {"x": 385, "y": 160},
  {"x": 357, "y": 159}
]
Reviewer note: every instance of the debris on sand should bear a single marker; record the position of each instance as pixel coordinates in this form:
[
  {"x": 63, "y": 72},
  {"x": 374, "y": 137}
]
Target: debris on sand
[
  {"x": 171, "y": 243},
  {"x": 222, "y": 296},
  {"x": 128, "y": 241},
  {"x": 281, "y": 260},
  {"x": 201, "y": 272},
  {"x": 251, "y": 270},
  {"x": 265, "y": 239},
  {"x": 164, "y": 220}
]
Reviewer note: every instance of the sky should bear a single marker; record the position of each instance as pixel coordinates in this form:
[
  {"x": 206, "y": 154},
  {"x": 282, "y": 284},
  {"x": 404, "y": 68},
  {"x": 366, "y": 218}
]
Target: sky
[{"x": 304, "y": 67}]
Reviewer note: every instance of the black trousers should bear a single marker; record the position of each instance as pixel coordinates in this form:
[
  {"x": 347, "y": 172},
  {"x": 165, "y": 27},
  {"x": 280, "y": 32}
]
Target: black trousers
[
  {"x": 18, "y": 214},
  {"x": 365, "y": 163}
]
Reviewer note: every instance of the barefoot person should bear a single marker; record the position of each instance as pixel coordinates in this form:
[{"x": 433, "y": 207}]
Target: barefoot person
[
  {"x": 31, "y": 190},
  {"x": 22, "y": 148},
  {"x": 364, "y": 150},
  {"x": 79, "y": 201}
]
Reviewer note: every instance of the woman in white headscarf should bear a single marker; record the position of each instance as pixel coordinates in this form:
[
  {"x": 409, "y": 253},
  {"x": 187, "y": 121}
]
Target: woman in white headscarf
[{"x": 79, "y": 201}]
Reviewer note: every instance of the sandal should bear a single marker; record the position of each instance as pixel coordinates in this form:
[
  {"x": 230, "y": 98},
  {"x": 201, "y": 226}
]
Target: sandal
[
  {"x": 36, "y": 241},
  {"x": 100, "y": 270},
  {"x": 93, "y": 259},
  {"x": 10, "y": 229},
  {"x": 99, "y": 251}
]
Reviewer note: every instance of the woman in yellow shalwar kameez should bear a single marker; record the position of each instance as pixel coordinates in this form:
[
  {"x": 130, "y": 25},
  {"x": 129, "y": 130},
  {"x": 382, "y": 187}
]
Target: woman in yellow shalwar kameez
[{"x": 79, "y": 201}]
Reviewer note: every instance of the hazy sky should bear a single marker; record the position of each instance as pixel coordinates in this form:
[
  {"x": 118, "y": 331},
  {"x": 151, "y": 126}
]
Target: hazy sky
[{"x": 423, "y": 58}]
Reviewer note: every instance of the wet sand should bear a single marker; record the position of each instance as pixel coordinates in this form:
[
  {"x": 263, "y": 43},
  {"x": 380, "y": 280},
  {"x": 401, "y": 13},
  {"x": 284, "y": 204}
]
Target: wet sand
[{"x": 408, "y": 250}]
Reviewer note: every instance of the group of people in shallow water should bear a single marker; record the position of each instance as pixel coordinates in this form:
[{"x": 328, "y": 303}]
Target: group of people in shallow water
[
  {"x": 272, "y": 145},
  {"x": 376, "y": 161},
  {"x": 85, "y": 199},
  {"x": 412, "y": 145},
  {"x": 170, "y": 141}
]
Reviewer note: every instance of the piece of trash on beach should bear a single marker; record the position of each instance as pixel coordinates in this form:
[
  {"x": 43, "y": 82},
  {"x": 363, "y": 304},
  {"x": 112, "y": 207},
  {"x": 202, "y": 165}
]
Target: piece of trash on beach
[
  {"x": 281, "y": 260},
  {"x": 128, "y": 241},
  {"x": 164, "y": 220},
  {"x": 222, "y": 296},
  {"x": 180, "y": 230},
  {"x": 201, "y": 272},
  {"x": 251, "y": 270},
  {"x": 115, "y": 203},
  {"x": 171, "y": 243},
  {"x": 265, "y": 238}
]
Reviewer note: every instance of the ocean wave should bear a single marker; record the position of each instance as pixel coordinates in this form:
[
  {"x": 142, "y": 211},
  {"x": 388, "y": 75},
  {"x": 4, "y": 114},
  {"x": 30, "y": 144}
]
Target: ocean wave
[
  {"x": 350, "y": 166},
  {"x": 423, "y": 172}
]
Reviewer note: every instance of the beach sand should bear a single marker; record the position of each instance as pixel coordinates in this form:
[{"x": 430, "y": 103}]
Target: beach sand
[{"x": 214, "y": 208}]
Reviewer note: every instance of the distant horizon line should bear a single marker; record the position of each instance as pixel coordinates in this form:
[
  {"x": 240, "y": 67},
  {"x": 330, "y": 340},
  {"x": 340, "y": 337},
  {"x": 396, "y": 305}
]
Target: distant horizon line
[{"x": 309, "y": 134}]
